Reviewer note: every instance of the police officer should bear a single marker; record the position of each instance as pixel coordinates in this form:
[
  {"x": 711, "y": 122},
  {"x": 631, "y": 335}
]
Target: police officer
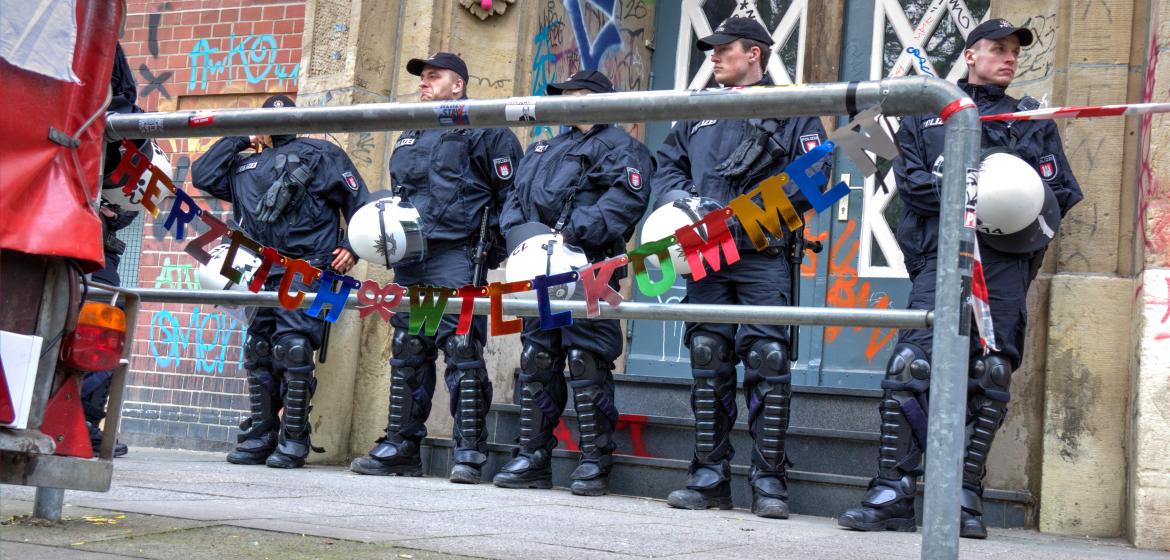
[
  {"x": 95, "y": 388},
  {"x": 289, "y": 195},
  {"x": 991, "y": 54},
  {"x": 722, "y": 159},
  {"x": 590, "y": 184},
  {"x": 455, "y": 177}
]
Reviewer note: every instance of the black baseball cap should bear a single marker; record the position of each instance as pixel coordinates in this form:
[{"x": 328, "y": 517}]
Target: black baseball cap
[
  {"x": 996, "y": 29},
  {"x": 278, "y": 101},
  {"x": 445, "y": 60},
  {"x": 591, "y": 80},
  {"x": 734, "y": 28}
]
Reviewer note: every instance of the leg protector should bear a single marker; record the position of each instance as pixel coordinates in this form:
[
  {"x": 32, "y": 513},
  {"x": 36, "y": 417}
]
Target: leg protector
[
  {"x": 713, "y": 403},
  {"x": 542, "y": 398},
  {"x": 471, "y": 396},
  {"x": 410, "y": 402},
  {"x": 987, "y": 400},
  {"x": 593, "y": 398},
  {"x": 903, "y": 412},
  {"x": 712, "y": 398},
  {"x": 768, "y": 384},
  {"x": 294, "y": 353}
]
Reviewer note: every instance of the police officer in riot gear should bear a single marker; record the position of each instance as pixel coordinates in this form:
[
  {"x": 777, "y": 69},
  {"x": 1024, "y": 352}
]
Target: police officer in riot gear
[
  {"x": 95, "y": 387},
  {"x": 991, "y": 54},
  {"x": 722, "y": 159},
  {"x": 289, "y": 195},
  {"x": 455, "y": 177},
  {"x": 590, "y": 184}
]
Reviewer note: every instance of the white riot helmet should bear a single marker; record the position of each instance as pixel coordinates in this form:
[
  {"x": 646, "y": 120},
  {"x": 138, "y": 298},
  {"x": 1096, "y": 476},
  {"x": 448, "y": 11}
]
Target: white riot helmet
[
  {"x": 536, "y": 251},
  {"x": 387, "y": 231},
  {"x": 677, "y": 209},
  {"x": 244, "y": 261},
  {"x": 1016, "y": 211},
  {"x": 158, "y": 158}
]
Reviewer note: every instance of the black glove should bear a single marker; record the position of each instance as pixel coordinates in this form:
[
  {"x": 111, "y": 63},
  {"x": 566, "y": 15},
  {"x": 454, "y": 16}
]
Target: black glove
[{"x": 286, "y": 191}]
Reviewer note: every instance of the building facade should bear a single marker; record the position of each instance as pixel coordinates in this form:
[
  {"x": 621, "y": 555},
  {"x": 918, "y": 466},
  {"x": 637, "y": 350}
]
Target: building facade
[{"x": 1086, "y": 447}]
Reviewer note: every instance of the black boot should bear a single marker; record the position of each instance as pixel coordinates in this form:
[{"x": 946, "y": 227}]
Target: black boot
[
  {"x": 526, "y": 470},
  {"x": 257, "y": 436},
  {"x": 889, "y": 503},
  {"x": 971, "y": 526},
  {"x": 253, "y": 450},
  {"x": 390, "y": 457},
  {"x": 987, "y": 402},
  {"x": 713, "y": 404},
  {"x": 768, "y": 385},
  {"x": 593, "y": 398},
  {"x": 292, "y": 445},
  {"x": 591, "y": 477},
  {"x": 769, "y": 494},
  {"x": 95, "y": 440},
  {"x": 471, "y": 396},
  {"x": 888, "y": 506},
  {"x": 708, "y": 486}
]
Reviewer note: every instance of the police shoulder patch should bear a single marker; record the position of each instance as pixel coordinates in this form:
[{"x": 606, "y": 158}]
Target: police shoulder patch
[
  {"x": 810, "y": 141},
  {"x": 634, "y": 178},
  {"x": 350, "y": 180},
  {"x": 503, "y": 168},
  {"x": 1048, "y": 167}
]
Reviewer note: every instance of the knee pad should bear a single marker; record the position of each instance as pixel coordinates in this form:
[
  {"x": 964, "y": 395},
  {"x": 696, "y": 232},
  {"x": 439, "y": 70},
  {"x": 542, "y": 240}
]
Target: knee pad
[
  {"x": 991, "y": 376},
  {"x": 464, "y": 351},
  {"x": 586, "y": 367},
  {"x": 293, "y": 351},
  {"x": 256, "y": 351},
  {"x": 907, "y": 370},
  {"x": 407, "y": 347},
  {"x": 769, "y": 360},
  {"x": 538, "y": 364},
  {"x": 711, "y": 356}
]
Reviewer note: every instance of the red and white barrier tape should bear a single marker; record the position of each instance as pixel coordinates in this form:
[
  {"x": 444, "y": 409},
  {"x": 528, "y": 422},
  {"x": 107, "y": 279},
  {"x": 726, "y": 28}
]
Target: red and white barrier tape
[{"x": 1081, "y": 112}]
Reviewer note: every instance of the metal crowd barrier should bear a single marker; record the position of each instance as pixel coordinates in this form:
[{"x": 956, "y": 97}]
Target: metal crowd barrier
[{"x": 896, "y": 97}]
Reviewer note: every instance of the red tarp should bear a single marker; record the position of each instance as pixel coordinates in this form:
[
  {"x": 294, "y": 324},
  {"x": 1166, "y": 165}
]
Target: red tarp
[{"x": 45, "y": 203}]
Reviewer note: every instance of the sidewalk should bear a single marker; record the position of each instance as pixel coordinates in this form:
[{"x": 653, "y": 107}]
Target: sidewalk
[{"x": 167, "y": 504}]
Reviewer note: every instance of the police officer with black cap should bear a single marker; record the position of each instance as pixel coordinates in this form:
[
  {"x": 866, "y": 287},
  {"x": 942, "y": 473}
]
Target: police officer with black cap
[
  {"x": 1009, "y": 264},
  {"x": 289, "y": 193},
  {"x": 722, "y": 159},
  {"x": 457, "y": 178},
  {"x": 590, "y": 184}
]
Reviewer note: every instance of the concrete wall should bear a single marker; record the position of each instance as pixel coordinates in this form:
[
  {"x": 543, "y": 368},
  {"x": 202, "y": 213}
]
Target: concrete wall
[{"x": 1148, "y": 519}]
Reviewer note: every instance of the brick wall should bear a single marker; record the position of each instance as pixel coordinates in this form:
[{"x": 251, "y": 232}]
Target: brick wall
[{"x": 186, "y": 386}]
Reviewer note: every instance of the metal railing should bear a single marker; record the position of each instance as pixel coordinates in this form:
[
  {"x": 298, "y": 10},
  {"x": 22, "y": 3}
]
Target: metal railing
[{"x": 896, "y": 97}]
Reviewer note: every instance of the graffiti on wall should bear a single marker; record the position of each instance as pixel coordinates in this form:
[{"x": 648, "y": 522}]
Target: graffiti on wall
[
  {"x": 605, "y": 35},
  {"x": 252, "y": 57},
  {"x": 847, "y": 289},
  {"x": 150, "y": 80},
  {"x": 203, "y": 338}
]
